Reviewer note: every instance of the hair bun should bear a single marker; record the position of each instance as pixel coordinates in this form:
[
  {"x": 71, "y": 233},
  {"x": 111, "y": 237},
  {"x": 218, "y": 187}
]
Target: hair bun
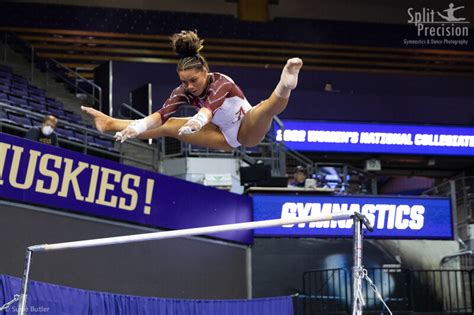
[{"x": 186, "y": 44}]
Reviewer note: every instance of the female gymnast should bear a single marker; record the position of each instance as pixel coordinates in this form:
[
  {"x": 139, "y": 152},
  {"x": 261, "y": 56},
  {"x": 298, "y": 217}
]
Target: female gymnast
[{"x": 225, "y": 119}]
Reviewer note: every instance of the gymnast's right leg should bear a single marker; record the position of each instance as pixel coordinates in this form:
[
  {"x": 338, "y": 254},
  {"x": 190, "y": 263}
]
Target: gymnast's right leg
[{"x": 256, "y": 122}]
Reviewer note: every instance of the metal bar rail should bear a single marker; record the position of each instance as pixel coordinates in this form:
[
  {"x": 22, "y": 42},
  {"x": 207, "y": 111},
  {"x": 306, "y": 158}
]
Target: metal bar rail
[
  {"x": 77, "y": 78},
  {"x": 22, "y": 309}
]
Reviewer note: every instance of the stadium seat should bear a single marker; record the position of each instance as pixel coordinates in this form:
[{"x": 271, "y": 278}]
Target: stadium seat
[
  {"x": 36, "y": 91},
  {"x": 72, "y": 116},
  {"x": 17, "y": 100},
  {"x": 4, "y": 80},
  {"x": 37, "y": 106},
  {"x": 5, "y": 88},
  {"x": 59, "y": 113},
  {"x": 4, "y": 117},
  {"x": 38, "y": 98},
  {"x": 66, "y": 133},
  {"x": 3, "y": 96},
  {"x": 104, "y": 142},
  {"x": 20, "y": 120},
  {"x": 4, "y": 68},
  {"x": 18, "y": 92},
  {"x": 5, "y": 74},
  {"x": 19, "y": 79}
]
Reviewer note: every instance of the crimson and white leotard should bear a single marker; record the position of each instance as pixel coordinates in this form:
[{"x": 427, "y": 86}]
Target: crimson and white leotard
[{"x": 223, "y": 97}]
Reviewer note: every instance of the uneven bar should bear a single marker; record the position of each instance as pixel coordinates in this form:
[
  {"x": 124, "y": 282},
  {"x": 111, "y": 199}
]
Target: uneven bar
[{"x": 187, "y": 232}]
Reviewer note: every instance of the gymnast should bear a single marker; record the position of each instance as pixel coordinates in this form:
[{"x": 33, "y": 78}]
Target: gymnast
[{"x": 224, "y": 120}]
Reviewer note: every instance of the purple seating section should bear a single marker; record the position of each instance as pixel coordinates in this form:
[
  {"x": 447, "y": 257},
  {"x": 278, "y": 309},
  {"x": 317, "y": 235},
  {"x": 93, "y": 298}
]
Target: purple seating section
[
  {"x": 20, "y": 120},
  {"x": 65, "y": 133},
  {"x": 4, "y": 116},
  {"x": 15, "y": 90}
]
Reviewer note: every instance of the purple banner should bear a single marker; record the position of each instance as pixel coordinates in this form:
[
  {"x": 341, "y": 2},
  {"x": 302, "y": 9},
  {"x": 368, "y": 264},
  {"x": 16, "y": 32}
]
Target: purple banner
[
  {"x": 376, "y": 138},
  {"x": 39, "y": 174},
  {"x": 392, "y": 217}
]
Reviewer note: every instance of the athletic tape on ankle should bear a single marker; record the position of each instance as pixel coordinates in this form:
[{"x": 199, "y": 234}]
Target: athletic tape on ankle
[{"x": 282, "y": 91}]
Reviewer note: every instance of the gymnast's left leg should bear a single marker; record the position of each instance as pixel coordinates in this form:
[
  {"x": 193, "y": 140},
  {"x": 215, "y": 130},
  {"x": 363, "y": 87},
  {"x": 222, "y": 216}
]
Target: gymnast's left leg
[{"x": 256, "y": 123}]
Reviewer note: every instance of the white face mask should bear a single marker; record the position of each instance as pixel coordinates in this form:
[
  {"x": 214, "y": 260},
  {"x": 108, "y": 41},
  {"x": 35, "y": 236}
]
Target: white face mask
[{"x": 47, "y": 130}]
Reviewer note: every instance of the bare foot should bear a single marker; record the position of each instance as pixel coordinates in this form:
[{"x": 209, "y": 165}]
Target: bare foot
[
  {"x": 100, "y": 119},
  {"x": 289, "y": 75}
]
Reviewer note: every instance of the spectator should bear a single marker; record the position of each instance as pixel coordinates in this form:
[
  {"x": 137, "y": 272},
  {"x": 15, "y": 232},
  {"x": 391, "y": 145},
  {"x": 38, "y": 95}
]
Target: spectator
[
  {"x": 299, "y": 177},
  {"x": 44, "y": 134}
]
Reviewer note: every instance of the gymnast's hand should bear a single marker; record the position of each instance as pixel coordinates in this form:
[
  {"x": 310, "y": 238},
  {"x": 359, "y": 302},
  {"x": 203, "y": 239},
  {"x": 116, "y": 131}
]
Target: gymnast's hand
[
  {"x": 135, "y": 128},
  {"x": 191, "y": 126},
  {"x": 195, "y": 123}
]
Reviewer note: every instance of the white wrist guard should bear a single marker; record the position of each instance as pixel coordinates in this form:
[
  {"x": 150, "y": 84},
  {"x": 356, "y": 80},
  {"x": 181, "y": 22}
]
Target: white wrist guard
[
  {"x": 200, "y": 118},
  {"x": 139, "y": 126}
]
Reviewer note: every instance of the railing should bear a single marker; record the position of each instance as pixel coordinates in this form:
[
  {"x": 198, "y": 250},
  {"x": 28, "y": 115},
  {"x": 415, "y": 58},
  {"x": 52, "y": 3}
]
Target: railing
[
  {"x": 52, "y": 67},
  {"x": 96, "y": 91},
  {"x": 464, "y": 257},
  {"x": 86, "y": 148},
  {"x": 461, "y": 192},
  {"x": 465, "y": 187},
  {"x": 29, "y": 48},
  {"x": 272, "y": 151},
  {"x": 299, "y": 159},
  {"x": 414, "y": 291},
  {"x": 131, "y": 109},
  {"x": 325, "y": 291}
]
